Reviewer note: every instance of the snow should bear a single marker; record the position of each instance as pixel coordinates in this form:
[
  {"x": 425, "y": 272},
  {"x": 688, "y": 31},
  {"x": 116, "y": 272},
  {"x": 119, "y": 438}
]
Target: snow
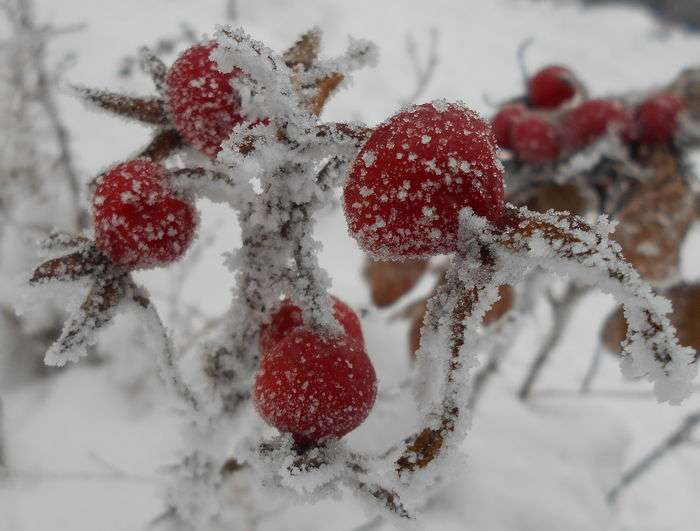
[{"x": 88, "y": 444}]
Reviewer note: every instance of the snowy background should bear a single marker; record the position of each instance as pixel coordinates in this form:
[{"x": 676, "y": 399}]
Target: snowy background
[{"x": 87, "y": 448}]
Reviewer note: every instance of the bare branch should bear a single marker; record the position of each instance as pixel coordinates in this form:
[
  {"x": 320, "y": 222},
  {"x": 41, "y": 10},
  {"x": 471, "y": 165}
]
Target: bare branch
[
  {"x": 154, "y": 67},
  {"x": 423, "y": 70},
  {"x": 164, "y": 143},
  {"x": 679, "y": 436},
  {"x": 561, "y": 308}
]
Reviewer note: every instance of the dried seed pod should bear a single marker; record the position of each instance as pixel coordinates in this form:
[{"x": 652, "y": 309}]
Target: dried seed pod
[
  {"x": 389, "y": 281},
  {"x": 498, "y": 310},
  {"x": 685, "y": 298},
  {"x": 653, "y": 225}
]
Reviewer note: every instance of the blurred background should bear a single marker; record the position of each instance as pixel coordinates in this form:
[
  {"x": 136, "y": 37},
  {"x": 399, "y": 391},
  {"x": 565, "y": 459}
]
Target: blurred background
[{"x": 87, "y": 446}]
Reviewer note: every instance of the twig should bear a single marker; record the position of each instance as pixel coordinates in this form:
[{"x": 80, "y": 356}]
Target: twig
[
  {"x": 592, "y": 371},
  {"x": 483, "y": 376},
  {"x": 423, "y": 71},
  {"x": 44, "y": 95},
  {"x": 562, "y": 309},
  {"x": 3, "y": 461},
  {"x": 522, "y": 62},
  {"x": 677, "y": 437}
]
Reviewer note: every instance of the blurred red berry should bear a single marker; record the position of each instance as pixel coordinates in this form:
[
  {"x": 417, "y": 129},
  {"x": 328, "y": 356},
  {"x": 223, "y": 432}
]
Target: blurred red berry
[
  {"x": 203, "y": 106},
  {"x": 593, "y": 119},
  {"x": 413, "y": 176},
  {"x": 552, "y": 86},
  {"x": 502, "y": 124},
  {"x": 656, "y": 118},
  {"x": 535, "y": 140},
  {"x": 315, "y": 387},
  {"x": 138, "y": 221},
  {"x": 289, "y": 317}
]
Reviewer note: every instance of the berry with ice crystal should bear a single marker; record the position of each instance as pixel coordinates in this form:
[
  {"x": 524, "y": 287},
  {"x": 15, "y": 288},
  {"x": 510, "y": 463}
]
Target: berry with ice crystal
[
  {"x": 315, "y": 386},
  {"x": 415, "y": 173},
  {"x": 138, "y": 221}
]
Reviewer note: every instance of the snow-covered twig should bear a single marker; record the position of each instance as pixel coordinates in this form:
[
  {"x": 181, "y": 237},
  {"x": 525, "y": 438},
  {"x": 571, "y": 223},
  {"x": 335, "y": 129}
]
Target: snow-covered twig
[{"x": 567, "y": 245}]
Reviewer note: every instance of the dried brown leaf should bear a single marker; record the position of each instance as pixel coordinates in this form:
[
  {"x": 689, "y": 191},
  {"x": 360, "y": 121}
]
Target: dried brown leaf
[
  {"x": 559, "y": 197},
  {"x": 389, "y": 281},
  {"x": 305, "y": 51},
  {"x": 653, "y": 225}
]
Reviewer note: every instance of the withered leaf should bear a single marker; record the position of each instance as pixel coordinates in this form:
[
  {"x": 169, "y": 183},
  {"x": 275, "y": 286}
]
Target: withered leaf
[
  {"x": 653, "y": 225},
  {"x": 389, "y": 281},
  {"x": 305, "y": 51}
]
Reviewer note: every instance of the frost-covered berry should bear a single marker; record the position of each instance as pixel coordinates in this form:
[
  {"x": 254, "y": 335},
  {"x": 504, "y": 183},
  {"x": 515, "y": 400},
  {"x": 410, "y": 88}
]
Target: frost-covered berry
[
  {"x": 656, "y": 118},
  {"x": 289, "y": 317},
  {"x": 415, "y": 173},
  {"x": 314, "y": 386},
  {"x": 202, "y": 103},
  {"x": 503, "y": 123},
  {"x": 552, "y": 86},
  {"x": 535, "y": 140},
  {"x": 593, "y": 119},
  {"x": 138, "y": 221}
]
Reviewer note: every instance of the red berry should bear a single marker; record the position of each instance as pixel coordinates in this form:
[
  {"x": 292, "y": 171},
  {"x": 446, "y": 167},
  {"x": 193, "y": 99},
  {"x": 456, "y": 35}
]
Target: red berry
[
  {"x": 289, "y": 317},
  {"x": 535, "y": 140},
  {"x": 552, "y": 86},
  {"x": 594, "y": 118},
  {"x": 657, "y": 117},
  {"x": 502, "y": 124},
  {"x": 138, "y": 222},
  {"x": 203, "y": 106},
  {"x": 315, "y": 387},
  {"x": 413, "y": 176}
]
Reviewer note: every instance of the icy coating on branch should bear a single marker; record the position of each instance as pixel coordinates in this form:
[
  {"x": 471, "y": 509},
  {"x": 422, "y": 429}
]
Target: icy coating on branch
[{"x": 567, "y": 245}]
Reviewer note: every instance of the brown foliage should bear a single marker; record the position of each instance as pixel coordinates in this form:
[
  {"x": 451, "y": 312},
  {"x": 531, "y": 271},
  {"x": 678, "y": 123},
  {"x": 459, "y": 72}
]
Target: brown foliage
[
  {"x": 389, "y": 281},
  {"x": 552, "y": 196},
  {"x": 654, "y": 223},
  {"x": 685, "y": 317}
]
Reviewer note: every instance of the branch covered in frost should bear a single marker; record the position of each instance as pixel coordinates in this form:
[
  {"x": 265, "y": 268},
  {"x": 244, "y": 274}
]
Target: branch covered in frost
[{"x": 567, "y": 245}]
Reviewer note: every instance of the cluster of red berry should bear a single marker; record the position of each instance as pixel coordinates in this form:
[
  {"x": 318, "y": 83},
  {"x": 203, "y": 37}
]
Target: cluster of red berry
[
  {"x": 138, "y": 221},
  {"x": 554, "y": 120},
  {"x": 314, "y": 385},
  {"x": 406, "y": 187}
]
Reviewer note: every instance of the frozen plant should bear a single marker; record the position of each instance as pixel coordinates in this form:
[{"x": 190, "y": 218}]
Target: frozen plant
[{"x": 425, "y": 182}]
